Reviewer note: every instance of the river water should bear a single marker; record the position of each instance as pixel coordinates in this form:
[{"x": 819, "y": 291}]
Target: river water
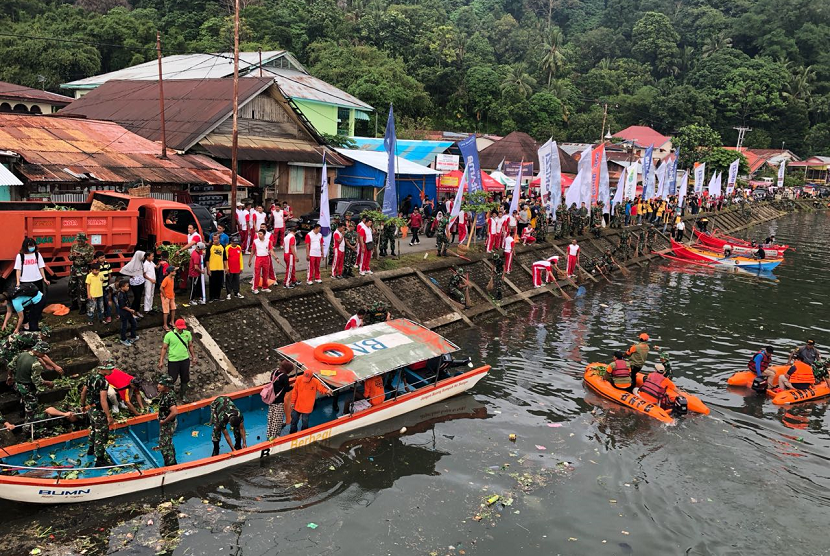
[{"x": 583, "y": 476}]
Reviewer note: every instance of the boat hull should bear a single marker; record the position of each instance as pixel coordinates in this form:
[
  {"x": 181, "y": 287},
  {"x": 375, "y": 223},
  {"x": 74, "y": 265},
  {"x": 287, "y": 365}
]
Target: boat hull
[
  {"x": 701, "y": 254},
  {"x": 604, "y": 388},
  {"x": 814, "y": 392},
  {"x": 693, "y": 403},
  {"x": 63, "y": 491},
  {"x": 738, "y": 246}
]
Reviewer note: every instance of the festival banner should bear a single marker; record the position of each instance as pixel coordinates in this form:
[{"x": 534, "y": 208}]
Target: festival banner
[
  {"x": 585, "y": 184},
  {"x": 459, "y": 197},
  {"x": 673, "y": 172},
  {"x": 661, "y": 179},
  {"x": 325, "y": 215},
  {"x": 733, "y": 174},
  {"x": 781, "y": 168},
  {"x": 545, "y": 171},
  {"x": 715, "y": 185},
  {"x": 684, "y": 185},
  {"x": 555, "y": 190},
  {"x": 630, "y": 182},
  {"x": 469, "y": 152},
  {"x": 390, "y": 145},
  {"x": 517, "y": 191},
  {"x": 596, "y": 159},
  {"x": 648, "y": 175},
  {"x": 604, "y": 184},
  {"x": 700, "y": 176}
]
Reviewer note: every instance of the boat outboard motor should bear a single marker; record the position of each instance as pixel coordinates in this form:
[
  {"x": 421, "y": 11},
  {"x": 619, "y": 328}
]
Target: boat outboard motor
[
  {"x": 447, "y": 363},
  {"x": 760, "y": 385},
  {"x": 680, "y": 406}
]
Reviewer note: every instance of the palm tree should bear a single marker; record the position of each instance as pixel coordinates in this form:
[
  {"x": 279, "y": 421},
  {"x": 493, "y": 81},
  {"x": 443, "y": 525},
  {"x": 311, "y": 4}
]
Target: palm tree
[
  {"x": 604, "y": 64},
  {"x": 715, "y": 43},
  {"x": 800, "y": 85},
  {"x": 518, "y": 81},
  {"x": 553, "y": 59}
]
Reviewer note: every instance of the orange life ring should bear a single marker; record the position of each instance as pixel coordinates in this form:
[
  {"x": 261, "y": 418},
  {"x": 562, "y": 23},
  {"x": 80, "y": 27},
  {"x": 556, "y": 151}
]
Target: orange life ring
[{"x": 321, "y": 355}]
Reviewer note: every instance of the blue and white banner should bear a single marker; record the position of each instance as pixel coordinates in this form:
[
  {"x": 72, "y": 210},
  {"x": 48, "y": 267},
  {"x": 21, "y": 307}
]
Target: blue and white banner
[
  {"x": 390, "y": 145},
  {"x": 648, "y": 176},
  {"x": 469, "y": 152},
  {"x": 630, "y": 182},
  {"x": 517, "y": 191},
  {"x": 662, "y": 185},
  {"x": 459, "y": 196},
  {"x": 673, "y": 173},
  {"x": 684, "y": 185},
  {"x": 545, "y": 171},
  {"x": 700, "y": 177},
  {"x": 555, "y": 189},
  {"x": 604, "y": 185},
  {"x": 325, "y": 216},
  {"x": 781, "y": 168}
]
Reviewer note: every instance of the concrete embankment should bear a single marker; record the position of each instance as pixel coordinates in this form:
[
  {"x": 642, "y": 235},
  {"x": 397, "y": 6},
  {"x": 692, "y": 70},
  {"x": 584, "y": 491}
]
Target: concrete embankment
[{"x": 236, "y": 340}]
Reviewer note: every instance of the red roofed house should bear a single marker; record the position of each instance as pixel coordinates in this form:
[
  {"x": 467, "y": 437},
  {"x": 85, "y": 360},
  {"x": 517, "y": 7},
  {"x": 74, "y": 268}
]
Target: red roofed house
[
  {"x": 25, "y": 100},
  {"x": 63, "y": 159},
  {"x": 759, "y": 158},
  {"x": 643, "y": 137}
]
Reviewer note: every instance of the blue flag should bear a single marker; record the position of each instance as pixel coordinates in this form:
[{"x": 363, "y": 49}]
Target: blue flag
[
  {"x": 469, "y": 152},
  {"x": 390, "y": 145},
  {"x": 673, "y": 173},
  {"x": 647, "y": 163}
]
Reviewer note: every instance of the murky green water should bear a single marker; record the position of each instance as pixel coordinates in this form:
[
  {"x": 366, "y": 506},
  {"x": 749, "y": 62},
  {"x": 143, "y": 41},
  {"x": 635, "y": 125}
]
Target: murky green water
[{"x": 583, "y": 477}]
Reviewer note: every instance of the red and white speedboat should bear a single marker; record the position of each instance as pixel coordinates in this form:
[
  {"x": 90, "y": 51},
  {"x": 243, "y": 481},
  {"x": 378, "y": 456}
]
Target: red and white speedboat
[
  {"x": 413, "y": 361},
  {"x": 739, "y": 246}
]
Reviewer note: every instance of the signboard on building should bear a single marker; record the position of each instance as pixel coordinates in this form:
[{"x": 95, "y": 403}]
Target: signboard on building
[
  {"x": 446, "y": 162},
  {"x": 511, "y": 169}
]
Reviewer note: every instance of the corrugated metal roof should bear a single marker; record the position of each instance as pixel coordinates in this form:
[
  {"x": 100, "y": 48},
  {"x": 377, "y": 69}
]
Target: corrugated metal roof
[
  {"x": 379, "y": 161},
  {"x": 71, "y": 149},
  {"x": 275, "y": 150},
  {"x": 7, "y": 178},
  {"x": 297, "y": 83},
  {"x": 419, "y": 152},
  {"x": 643, "y": 136},
  {"x": 192, "y": 107},
  {"x": 12, "y": 91}
]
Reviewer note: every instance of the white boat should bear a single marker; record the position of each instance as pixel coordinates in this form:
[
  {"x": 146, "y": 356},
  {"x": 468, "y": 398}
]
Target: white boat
[{"x": 413, "y": 361}]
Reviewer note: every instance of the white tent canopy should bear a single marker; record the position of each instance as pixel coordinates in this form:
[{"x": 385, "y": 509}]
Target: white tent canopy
[{"x": 379, "y": 161}]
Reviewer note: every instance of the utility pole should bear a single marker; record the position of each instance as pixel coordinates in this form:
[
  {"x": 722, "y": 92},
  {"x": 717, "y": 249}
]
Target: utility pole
[
  {"x": 604, "y": 117},
  {"x": 260, "y": 62},
  {"x": 161, "y": 99},
  {"x": 741, "y": 134},
  {"x": 235, "y": 129}
]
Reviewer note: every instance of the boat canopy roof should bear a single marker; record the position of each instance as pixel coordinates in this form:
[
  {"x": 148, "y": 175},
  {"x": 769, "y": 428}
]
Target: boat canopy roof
[{"x": 378, "y": 349}]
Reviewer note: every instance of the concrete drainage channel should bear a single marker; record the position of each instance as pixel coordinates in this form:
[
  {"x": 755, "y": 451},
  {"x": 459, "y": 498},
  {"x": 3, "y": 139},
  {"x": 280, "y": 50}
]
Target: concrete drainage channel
[{"x": 237, "y": 339}]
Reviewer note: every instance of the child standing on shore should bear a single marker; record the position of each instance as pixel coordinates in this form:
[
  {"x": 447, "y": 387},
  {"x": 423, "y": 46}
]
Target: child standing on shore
[
  {"x": 168, "y": 298},
  {"x": 94, "y": 293}
]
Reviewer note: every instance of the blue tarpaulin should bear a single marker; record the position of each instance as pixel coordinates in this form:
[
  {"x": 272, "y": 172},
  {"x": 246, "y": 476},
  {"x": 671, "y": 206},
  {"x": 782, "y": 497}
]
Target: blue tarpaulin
[
  {"x": 419, "y": 152},
  {"x": 369, "y": 170}
]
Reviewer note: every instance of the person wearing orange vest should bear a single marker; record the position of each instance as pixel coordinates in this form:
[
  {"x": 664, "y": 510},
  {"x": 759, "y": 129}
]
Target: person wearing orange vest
[
  {"x": 618, "y": 373},
  {"x": 373, "y": 390},
  {"x": 637, "y": 355},
  {"x": 654, "y": 387},
  {"x": 799, "y": 377},
  {"x": 306, "y": 388}
]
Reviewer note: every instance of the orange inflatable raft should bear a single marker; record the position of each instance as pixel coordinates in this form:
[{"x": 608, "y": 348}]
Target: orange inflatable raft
[
  {"x": 693, "y": 403},
  {"x": 595, "y": 381}
]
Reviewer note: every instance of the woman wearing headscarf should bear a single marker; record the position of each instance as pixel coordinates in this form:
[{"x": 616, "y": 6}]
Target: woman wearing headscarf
[{"x": 134, "y": 270}]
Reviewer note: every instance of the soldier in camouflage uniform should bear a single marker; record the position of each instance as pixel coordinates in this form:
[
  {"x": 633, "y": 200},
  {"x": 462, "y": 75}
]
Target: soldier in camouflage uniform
[
  {"x": 624, "y": 248},
  {"x": 596, "y": 214},
  {"x": 223, "y": 412},
  {"x": 25, "y": 369},
  {"x": 561, "y": 222},
  {"x": 608, "y": 261},
  {"x": 377, "y": 312},
  {"x": 387, "y": 237},
  {"x": 573, "y": 220},
  {"x": 81, "y": 254},
  {"x": 498, "y": 273},
  {"x": 350, "y": 259},
  {"x": 167, "y": 419},
  {"x": 650, "y": 235},
  {"x": 641, "y": 244},
  {"x": 441, "y": 240},
  {"x": 542, "y": 223},
  {"x": 456, "y": 283},
  {"x": 100, "y": 418},
  {"x": 582, "y": 219},
  {"x": 619, "y": 216}
]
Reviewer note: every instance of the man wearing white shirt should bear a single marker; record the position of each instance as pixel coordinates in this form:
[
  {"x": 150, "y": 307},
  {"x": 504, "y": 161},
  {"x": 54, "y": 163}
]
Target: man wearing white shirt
[
  {"x": 278, "y": 215},
  {"x": 313, "y": 254},
  {"x": 493, "y": 231},
  {"x": 263, "y": 251},
  {"x": 508, "y": 253},
  {"x": 242, "y": 224},
  {"x": 364, "y": 234},
  {"x": 259, "y": 217},
  {"x": 573, "y": 258}
]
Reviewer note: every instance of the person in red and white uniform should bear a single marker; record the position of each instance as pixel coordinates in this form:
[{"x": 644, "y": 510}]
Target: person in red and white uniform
[
  {"x": 509, "y": 241},
  {"x": 313, "y": 254},
  {"x": 290, "y": 255},
  {"x": 278, "y": 216},
  {"x": 504, "y": 226},
  {"x": 543, "y": 271},
  {"x": 366, "y": 240},
  {"x": 286, "y": 209},
  {"x": 573, "y": 258},
  {"x": 259, "y": 217},
  {"x": 357, "y": 320},
  {"x": 462, "y": 226},
  {"x": 242, "y": 225},
  {"x": 261, "y": 257},
  {"x": 527, "y": 236},
  {"x": 493, "y": 229},
  {"x": 338, "y": 244}
]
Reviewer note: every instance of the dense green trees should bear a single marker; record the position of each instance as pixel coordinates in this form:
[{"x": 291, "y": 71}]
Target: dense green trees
[{"x": 542, "y": 66}]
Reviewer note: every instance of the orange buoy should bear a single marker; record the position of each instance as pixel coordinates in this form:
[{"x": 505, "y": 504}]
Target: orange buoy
[{"x": 323, "y": 353}]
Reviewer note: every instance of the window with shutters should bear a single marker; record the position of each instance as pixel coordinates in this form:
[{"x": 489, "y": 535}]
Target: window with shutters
[{"x": 296, "y": 179}]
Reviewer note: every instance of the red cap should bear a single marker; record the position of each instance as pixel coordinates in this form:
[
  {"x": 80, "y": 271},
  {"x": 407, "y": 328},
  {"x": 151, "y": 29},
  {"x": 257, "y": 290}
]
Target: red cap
[{"x": 180, "y": 324}]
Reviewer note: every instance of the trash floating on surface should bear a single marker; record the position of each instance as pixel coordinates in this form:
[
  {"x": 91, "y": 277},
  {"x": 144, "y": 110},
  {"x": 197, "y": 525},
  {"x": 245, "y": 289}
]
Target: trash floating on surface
[
  {"x": 312, "y": 526},
  {"x": 554, "y": 425},
  {"x": 512, "y": 437}
]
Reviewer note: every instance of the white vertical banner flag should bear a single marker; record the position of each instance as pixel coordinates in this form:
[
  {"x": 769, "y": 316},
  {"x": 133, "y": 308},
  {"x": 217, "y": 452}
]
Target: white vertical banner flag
[
  {"x": 733, "y": 174},
  {"x": 555, "y": 180},
  {"x": 652, "y": 183},
  {"x": 700, "y": 175},
  {"x": 662, "y": 184},
  {"x": 546, "y": 171},
  {"x": 630, "y": 182},
  {"x": 684, "y": 185},
  {"x": 585, "y": 182},
  {"x": 712, "y": 182},
  {"x": 459, "y": 196},
  {"x": 781, "y": 168},
  {"x": 517, "y": 190},
  {"x": 618, "y": 194},
  {"x": 574, "y": 193},
  {"x": 325, "y": 215},
  {"x": 604, "y": 185},
  {"x": 715, "y": 185}
]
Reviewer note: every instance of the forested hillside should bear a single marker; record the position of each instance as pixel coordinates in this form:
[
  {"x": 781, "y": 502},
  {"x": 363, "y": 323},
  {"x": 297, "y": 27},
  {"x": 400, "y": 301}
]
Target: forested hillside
[{"x": 542, "y": 66}]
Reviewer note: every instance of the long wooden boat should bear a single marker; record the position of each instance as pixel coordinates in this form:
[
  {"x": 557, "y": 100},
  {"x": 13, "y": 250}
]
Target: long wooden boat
[
  {"x": 411, "y": 359},
  {"x": 701, "y": 254},
  {"x": 739, "y": 246}
]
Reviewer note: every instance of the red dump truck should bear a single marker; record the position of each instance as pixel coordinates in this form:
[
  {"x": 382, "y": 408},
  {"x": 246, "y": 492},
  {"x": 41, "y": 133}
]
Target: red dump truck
[{"x": 137, "y": 223}]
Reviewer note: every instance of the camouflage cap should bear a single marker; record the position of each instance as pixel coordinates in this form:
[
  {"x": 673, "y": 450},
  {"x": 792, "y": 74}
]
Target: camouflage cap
[
  {"x": 41, "y": 347},
  {"x": 459, "y": 270},
  {"x": 165, "y": 380},
  {"x": 80, "y": 236}
]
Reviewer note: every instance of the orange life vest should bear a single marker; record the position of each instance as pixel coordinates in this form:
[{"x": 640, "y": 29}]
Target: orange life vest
[
  {"x": 803, "y": 373},
  {"x": 620, "y": 373},
  {"x": 654, "y": 388}
]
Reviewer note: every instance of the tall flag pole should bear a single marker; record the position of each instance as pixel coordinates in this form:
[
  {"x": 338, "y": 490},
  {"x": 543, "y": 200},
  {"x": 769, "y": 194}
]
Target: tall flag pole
[
  {"x": 390, "y": 145},
  {"x": 781, "y": 168},
  {"x": 700, "y": 176},
  {"x": 733, "y": 177},
  {"x": 648, "y": 166},
  {"x": 325, "y": 215},
  {"x": 604, "y": 184},
  {"x": 517, "y": 189}
]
